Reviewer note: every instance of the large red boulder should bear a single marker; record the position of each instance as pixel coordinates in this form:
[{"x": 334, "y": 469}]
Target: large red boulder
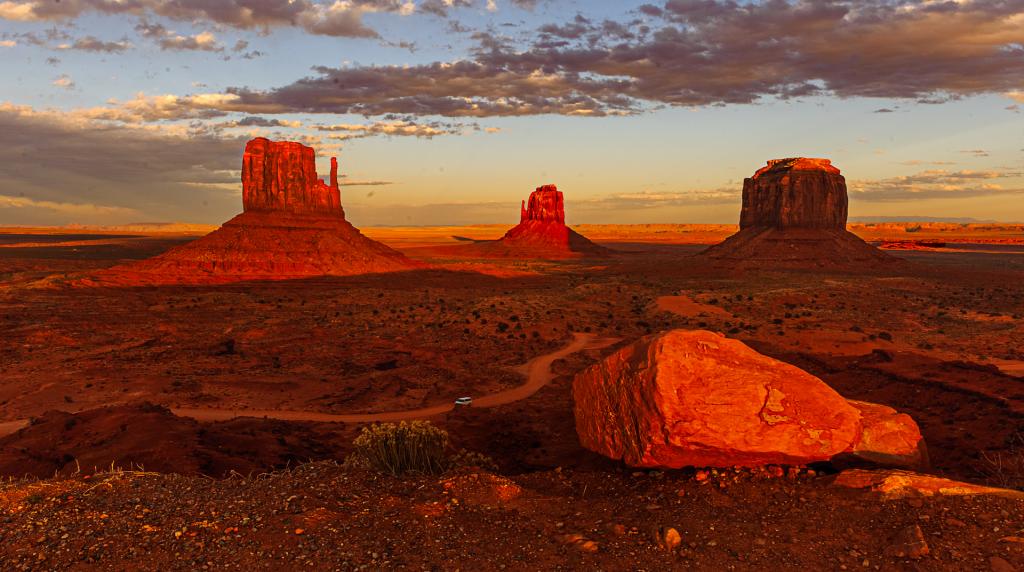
[{"x": 695, "y": 398}]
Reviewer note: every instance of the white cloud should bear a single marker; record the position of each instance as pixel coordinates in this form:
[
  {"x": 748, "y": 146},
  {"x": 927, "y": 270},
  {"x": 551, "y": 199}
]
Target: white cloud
[
  {"x": 76, "y": 209},
  {"x": 64, "y": 81}
]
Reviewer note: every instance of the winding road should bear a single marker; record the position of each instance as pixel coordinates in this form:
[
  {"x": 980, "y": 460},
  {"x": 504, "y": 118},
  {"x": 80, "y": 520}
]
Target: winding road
[{"x": 537, "y": 371}]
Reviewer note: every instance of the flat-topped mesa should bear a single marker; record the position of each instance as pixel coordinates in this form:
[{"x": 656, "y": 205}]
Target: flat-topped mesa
[
  {"x": 546, "y": 204},
  {"x": 281, "y": 176},
  {"x": 794, "y": 217},
  {"x": 795, "y": 193}
]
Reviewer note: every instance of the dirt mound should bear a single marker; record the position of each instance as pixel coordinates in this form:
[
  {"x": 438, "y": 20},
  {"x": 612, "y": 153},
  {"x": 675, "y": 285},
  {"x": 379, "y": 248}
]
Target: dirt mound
[
  {"x": 541, "y": 233},
  {"x": 794, "y": 216},
  {"x": 293, "y": 226},
  {"x": 150, "y": 436}
]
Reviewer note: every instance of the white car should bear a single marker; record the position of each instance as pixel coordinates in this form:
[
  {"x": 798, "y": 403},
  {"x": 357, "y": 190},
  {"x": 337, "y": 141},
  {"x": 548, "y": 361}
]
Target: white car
[{"x": 464, "y": 401}]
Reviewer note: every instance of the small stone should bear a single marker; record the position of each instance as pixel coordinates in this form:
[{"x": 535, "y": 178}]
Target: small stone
[{"x": 669, "y": 538}]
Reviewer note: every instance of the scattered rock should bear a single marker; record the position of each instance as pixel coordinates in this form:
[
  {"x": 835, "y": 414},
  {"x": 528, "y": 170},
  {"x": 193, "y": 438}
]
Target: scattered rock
[
  {"x": 889, "y": 437},
  {"x": 580, "y": 542},
  {"x": 896, "y": 484}
]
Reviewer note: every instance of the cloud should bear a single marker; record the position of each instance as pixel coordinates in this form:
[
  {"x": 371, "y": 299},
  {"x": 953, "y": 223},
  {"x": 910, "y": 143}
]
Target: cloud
[
  {"x": 396, "y": 128},
  {"x": 8, "y": 43},
  {"x": 64, "y": 81},
  {"x": 694, "y": 54},
  {"x": 341, "y": 18},
  {"x": 441, "y": 7},
  {"x": 938, "y": 183},
  {"x": 149, "y": 108},
  {"x": 347, "y": 183},
  {"x": 172, "y": 41},
  {"x": 660, "y": 199},
  {"x": 94, "y": 44},
  {"x": 975, "y": 152},
  {"x": 67, "y": 159},
  {"x": 74, "y": 209}
]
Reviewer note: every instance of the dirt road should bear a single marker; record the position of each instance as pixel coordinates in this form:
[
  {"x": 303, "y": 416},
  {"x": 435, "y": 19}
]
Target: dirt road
[{"x": 537, "y": 371}]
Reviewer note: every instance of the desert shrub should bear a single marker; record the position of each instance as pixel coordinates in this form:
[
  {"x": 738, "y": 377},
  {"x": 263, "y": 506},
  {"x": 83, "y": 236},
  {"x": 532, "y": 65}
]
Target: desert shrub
[
  {"x": 470, "y": 459},
  {"x": 1005, "y": 468},
  {"x": 417, "y": 447}
]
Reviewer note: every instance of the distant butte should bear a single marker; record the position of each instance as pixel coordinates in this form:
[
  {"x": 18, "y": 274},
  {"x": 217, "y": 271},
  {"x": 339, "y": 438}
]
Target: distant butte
[
  {"x": 541, "y": 233},
  {"x": 794, "y": 216},
  {"x": 292, "y": 226}
]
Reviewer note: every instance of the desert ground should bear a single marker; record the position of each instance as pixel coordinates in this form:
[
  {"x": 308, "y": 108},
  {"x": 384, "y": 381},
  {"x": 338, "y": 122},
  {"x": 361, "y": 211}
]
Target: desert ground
[{"x": 253, "y": 381}]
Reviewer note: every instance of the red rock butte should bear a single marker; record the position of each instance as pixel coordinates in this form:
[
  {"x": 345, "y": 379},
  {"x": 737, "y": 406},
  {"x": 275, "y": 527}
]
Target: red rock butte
[
  {"x": 794, "y": 216},
  {"x": 281, "y": 176},
  {"x": 292, "y": 226},
  {"x": 541, "y": 232}
]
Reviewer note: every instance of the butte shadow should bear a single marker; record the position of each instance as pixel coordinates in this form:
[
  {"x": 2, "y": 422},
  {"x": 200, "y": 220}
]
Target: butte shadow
[
  {"x": 292, "y": 226},
  {"x": 794, "y": 218},
  {"x": 540, "y": 234}
]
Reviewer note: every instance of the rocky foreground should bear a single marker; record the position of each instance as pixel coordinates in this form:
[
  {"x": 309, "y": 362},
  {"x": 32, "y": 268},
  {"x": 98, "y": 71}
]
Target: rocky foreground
[{"x": 326, "y": 516}]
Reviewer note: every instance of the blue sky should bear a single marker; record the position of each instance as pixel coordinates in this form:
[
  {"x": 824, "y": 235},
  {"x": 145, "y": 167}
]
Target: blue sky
[{"x": 137, "y": 110}]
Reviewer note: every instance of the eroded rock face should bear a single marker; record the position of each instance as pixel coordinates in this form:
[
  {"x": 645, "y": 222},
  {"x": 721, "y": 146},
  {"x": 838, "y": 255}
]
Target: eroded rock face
[
  {"x": 546, "y": 204},
  {"x": 794, "y": 217},
  {"x": 695, "y": 398},
  {"x": 281, "y": 176},
  {"x": 795, "y": 193}
]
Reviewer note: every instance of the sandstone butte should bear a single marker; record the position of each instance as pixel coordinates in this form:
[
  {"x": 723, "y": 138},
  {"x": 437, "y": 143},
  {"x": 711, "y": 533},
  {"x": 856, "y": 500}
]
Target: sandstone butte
[
  {"x": 541, "y": 233},
  {"x": 794, "y": 215},
  {"x": 695, "y": 398},
  {"x": 292, "y": 226}
]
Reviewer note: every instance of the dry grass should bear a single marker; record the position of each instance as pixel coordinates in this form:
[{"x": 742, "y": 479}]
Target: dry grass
[
  {"x": 416, "y": 447},
  {"x": 1005, "y": 468}
]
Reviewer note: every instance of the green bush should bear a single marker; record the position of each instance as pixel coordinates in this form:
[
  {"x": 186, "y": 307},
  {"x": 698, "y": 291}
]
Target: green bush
[{"x": 416, "y": 447}]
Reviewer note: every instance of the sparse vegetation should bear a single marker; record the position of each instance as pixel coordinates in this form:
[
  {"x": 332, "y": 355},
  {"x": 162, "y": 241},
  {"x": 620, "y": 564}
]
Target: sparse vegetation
[
  {"x": 1005, "y": 468},
  {"x": 417, "y": 447},
  {"x": 412, "y": 448}
]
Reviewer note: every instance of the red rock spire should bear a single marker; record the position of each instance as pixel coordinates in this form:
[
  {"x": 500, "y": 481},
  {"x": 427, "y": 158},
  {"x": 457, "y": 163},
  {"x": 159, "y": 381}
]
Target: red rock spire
[{"x": 546, "y": 205}]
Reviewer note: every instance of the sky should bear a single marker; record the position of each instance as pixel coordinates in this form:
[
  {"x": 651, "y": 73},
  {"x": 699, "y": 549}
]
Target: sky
[{"x": 449, "y": 112}]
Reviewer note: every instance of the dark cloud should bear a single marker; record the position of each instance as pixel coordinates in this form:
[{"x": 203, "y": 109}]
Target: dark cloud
[
  {"x": 63, "y": 170},
  {"x": 171, "y": 41},
  {"x": 441, "y": 7},
  {"x": 698, "y": 53},
  {"x": 939, "y": 184},
  {"x": 324, "y": 18},
  {"x": 94, "y": 44}
]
